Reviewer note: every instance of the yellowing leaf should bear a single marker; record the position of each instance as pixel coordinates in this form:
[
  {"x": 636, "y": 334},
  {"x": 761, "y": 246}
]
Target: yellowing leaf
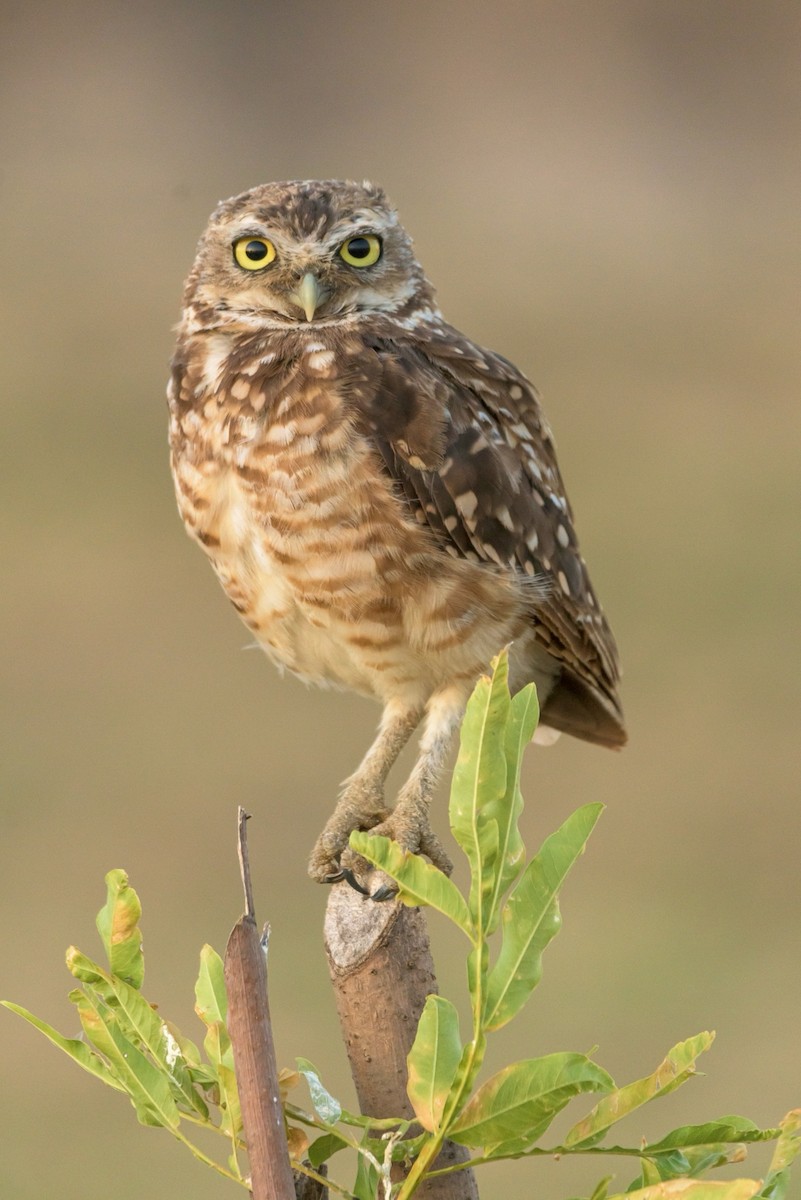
[
  {"x": 287, "y": 1080},
  {"x": 433, "y": 1060},
  {"x": 694, "y": 1189},
  {"x": 787, "y": 1149},
  {"x": 677, "y": 1066},
  {"x": 83, "y": 968},
  {"x": 118, "y": 926}
]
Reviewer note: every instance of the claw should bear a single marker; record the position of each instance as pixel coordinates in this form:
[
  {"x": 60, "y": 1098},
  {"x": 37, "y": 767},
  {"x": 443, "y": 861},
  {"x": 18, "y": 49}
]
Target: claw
[
  {"x": 337, "y": 877},
  {"x": 385, "y": 892},
  {"x": 348, "y": 875}
]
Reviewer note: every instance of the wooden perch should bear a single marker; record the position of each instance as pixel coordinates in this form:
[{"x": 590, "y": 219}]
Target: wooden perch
[
  {"x": 254, "y": 1052},
  {"x": 380, "y": 964}
]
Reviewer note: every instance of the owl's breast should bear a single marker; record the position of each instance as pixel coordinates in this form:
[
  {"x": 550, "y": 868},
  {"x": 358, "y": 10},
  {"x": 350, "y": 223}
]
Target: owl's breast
[
  {"x": 286, "y": 499},
  {"x": 318, "y": 552}
]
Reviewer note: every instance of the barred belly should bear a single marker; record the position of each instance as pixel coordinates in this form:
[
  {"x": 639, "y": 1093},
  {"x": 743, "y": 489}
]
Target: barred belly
[{"x": 336, "y": 580}]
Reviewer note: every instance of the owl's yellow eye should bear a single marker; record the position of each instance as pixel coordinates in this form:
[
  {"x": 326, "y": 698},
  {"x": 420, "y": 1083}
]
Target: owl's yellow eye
[
  {"x": 361, "y": 251},
  {"x": 253, "y": 253}
]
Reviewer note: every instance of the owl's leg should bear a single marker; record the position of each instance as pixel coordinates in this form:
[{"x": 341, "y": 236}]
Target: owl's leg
[
  {"x": 409, "y": 823},
  {"x": 361, "y": 802}
]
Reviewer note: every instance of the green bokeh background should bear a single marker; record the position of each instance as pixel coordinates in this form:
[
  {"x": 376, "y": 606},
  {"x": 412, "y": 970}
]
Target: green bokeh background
[{"x": 605, "y": 191}]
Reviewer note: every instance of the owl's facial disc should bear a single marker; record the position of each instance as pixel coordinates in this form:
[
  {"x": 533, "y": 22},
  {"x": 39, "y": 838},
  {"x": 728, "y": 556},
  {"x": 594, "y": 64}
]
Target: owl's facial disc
[{"x": 287, "y": 255}]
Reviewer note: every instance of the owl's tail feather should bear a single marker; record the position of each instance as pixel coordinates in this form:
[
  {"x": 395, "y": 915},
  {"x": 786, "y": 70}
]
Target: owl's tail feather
[{"x": 575, "y": 708}]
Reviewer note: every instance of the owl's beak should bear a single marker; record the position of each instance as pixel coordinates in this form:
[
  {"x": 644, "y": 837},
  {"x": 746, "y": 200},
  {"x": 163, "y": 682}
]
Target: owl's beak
[{"x": 309, "y": 295}]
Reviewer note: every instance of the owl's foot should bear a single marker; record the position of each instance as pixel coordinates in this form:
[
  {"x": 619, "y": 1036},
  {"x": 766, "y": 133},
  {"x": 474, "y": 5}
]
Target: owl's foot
[
  {"x": 408, "y": 825},
  {"x": 355, "y": 810},
  {"x": 332, "y": 861}
]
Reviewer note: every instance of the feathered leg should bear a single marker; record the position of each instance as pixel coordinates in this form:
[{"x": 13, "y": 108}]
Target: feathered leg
[
  {"x": 409, "y": 823},
  {"x": 361, "y": 803}
]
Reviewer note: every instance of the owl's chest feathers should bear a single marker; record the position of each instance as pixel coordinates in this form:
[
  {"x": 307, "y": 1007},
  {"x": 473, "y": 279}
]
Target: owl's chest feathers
[{"x": 322, "y": 559}]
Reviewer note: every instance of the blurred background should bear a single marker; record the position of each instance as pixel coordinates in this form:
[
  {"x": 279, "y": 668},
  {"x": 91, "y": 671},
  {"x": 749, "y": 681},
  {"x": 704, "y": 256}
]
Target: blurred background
[{"x": 605, "y": 191}]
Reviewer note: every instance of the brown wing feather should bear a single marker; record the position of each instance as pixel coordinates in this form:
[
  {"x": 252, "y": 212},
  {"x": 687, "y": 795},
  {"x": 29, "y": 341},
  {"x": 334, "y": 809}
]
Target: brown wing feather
[{"x": 463, "y": 434}]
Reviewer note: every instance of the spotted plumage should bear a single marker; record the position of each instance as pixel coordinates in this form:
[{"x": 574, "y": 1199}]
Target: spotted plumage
[{"x": 378, "y": 495}]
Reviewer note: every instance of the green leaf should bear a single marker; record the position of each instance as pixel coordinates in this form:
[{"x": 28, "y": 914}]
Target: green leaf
[
  {"x": 524, "y": 713},
  {"x": 217, "y": 1045},
  {"x": 83, "y": 968},
  {"x": 147, "y": 1087},
  {"x": 138, "y": 1021},
  {"x": 725, "y": 1130},
  {"x": 479, "y": 779},
  {"x": 230, "y": 1109},
  {"x": 433, "y": 1060},
  {"x": 136, "y": 1016},
  {"x": 118, "y": 926},
  {"x": 211, "y": 1002},
  {"x": 531, "y": 918},
  {"x": 511, "y": 1110},
  {"x": 677, "y": 1066},
  {"x": 691, "y": 1162},
  {"x": 77, "y": 1050},
  {"x": 649, "y": 1173},
  {"x": 601, "y": 1189},
  {"x": 180, "y": 1074},
  {"x": 327, "y": 1108},
  {"x": 787, "y": 1149},
  {"x": 323, "y": 1148},
  {"x": 365, "y": 1186},
  {"x": 200, "y": 1072},
  {"x": 694, "y": 1189},
  {"x": 420, "y": 882},
  {"x": 696, "y": 1161}
]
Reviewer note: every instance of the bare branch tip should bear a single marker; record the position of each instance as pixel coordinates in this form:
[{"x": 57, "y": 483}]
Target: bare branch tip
[{"x": 244, "y": 861}]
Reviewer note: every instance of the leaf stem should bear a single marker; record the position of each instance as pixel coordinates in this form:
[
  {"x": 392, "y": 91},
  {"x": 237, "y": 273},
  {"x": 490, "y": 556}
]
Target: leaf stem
[
  {"x": 204, "y": 1158},
  {"x": 477, "y": 1046},
  {"x": 203, "y": 1123},
  {"x": 551, "y": 1152}
]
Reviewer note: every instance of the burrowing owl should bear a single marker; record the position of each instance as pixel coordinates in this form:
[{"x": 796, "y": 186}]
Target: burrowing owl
[{"x": 378, "y": 495}]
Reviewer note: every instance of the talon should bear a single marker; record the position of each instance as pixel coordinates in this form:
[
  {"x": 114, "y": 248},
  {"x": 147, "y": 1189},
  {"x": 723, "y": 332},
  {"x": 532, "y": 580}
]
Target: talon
[
  {"x": 350, "y": 878},
  {"x": 337, "y": 877},
  {"x": 385, "y": 892}
]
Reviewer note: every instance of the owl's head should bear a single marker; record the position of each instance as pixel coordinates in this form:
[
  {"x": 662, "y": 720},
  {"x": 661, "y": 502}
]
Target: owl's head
[{"x": 312, "y": 251}]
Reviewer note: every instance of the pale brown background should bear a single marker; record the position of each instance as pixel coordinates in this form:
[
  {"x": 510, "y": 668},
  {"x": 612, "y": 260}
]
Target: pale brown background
[{"x": 605, "y": 191}]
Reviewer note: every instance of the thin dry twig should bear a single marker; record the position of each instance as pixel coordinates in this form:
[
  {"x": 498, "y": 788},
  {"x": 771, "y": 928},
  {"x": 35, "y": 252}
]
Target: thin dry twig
[{"x": 244, "y": 860}]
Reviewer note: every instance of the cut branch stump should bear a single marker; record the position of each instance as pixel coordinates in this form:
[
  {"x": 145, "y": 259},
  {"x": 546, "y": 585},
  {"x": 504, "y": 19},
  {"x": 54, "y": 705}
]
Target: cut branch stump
[{"x": 379, "y": 959}]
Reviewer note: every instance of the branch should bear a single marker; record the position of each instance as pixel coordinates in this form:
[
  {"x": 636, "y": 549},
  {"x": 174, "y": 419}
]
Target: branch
[
  {"x": 381, "y": 969},
  {"x": 254, "y": 1052}
]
